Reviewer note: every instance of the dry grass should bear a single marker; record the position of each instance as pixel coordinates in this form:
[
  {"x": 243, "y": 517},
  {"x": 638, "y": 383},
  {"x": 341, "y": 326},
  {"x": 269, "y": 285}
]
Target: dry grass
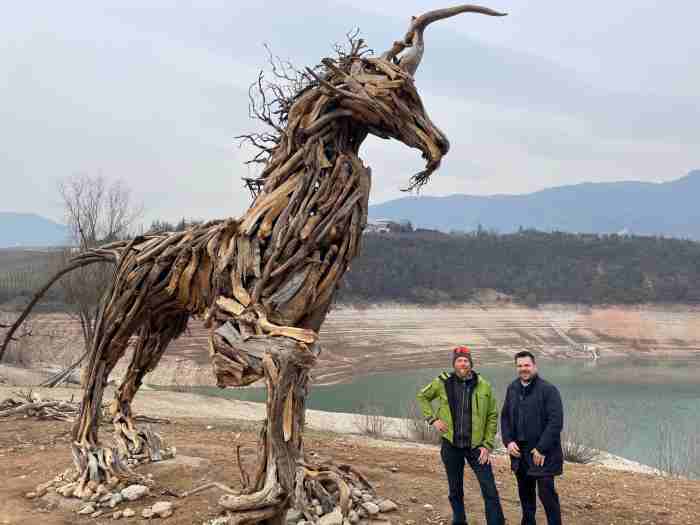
[
  {"x": 371, "y": 421},
  {"x": 678, "y": 453}
]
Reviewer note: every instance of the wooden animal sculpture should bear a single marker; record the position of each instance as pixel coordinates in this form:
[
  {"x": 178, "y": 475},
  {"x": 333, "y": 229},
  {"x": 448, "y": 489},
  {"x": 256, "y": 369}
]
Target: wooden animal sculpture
[{"x": 263, "y": 283}]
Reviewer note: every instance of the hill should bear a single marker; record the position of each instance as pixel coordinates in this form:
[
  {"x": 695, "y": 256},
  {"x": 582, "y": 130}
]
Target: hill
[
  {"x": 30, "y": 230},
  {"x": 533, "y": 267},
  {"x": 641, "y": 208},
  {"x": 430, "y": 267}
]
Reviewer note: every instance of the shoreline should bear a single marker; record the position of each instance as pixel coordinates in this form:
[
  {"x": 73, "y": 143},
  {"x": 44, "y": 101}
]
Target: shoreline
[{"x": 174, "y": 405}]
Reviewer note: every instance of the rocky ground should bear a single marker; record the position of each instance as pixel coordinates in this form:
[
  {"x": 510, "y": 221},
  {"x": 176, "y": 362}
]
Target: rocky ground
[{"x": 205, "y": 432}]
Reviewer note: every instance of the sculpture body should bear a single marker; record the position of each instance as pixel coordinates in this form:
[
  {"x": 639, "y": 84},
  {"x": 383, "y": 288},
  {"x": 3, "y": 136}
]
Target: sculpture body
[{"x": 262, "y": 283}]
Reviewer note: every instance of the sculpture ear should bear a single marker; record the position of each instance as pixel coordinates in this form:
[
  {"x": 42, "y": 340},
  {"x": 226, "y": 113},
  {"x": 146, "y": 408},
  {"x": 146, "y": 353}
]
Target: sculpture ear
[{"x": 413, "y": 40}]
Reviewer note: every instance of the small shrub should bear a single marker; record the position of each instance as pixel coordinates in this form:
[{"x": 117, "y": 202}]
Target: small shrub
[
  {"x": 579, "y": 453},
  {"x": 371, "y": 421},
  {"x": 417, "y": 429}
]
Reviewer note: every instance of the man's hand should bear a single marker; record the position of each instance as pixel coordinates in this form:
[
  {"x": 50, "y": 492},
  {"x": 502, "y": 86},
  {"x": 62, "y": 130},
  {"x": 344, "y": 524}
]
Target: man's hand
[
  {"x": 513, "y": 449},
  {"x": 484, "y": 456},
  {"x": 537, "y": 457},
  {"x": 440, "y": 426}
]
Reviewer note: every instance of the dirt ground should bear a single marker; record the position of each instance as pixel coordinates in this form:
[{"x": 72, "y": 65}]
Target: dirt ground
[{"x": 32, "y": 452}]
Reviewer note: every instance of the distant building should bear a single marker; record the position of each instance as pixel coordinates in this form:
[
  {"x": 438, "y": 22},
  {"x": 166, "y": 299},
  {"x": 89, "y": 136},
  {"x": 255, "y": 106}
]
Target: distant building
[
  {"x": 387, "y": 226},
  {"x": 377, "y": 226}
]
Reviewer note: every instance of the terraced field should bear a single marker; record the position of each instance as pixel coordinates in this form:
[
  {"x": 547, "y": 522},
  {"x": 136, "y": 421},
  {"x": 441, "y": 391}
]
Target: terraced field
[{"x": 386, "y": 337}]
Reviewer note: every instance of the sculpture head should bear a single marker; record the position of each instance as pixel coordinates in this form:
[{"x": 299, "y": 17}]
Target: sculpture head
[
  {"x": 352, "y": 95},
  {"x": 416, "y": 128}
]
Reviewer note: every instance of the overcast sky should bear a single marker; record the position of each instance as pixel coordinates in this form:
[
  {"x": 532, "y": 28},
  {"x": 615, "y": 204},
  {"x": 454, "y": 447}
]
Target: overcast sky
[{"x": 556, "y": 93}]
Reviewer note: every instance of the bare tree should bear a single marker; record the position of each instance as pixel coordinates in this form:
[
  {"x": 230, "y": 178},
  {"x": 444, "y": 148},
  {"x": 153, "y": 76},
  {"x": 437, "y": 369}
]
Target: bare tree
[
  {"x": 20, "y": 339},
  {"x": 96, "y": 212}
]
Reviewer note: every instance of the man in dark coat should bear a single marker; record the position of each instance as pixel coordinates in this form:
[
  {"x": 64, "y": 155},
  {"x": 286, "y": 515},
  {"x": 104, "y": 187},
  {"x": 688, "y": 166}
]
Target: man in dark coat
[{"x": 531, "y": 422}]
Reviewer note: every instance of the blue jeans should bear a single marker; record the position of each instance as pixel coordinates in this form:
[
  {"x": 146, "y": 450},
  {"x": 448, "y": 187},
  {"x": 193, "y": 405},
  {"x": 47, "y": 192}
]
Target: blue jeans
[{"x": 454, "y": 459}]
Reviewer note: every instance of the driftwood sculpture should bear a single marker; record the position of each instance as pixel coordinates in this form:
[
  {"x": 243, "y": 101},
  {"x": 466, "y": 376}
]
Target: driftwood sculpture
[{"x": 262, "y": 283}]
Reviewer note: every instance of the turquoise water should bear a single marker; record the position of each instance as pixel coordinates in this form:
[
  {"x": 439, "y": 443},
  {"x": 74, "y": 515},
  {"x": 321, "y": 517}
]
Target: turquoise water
[{"x": 633, "y": 398}]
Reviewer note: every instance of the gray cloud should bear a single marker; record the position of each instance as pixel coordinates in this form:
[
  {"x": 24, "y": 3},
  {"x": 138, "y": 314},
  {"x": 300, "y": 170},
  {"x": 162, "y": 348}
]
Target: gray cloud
[{"x": 154, "y": 95}]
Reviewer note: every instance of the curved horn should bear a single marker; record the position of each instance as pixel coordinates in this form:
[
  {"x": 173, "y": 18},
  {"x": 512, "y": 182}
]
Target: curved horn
[{"x": 414, "y": 37}]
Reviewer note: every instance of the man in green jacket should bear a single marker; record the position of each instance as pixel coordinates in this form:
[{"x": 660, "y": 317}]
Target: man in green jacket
[{"x": 467, "y": 418}]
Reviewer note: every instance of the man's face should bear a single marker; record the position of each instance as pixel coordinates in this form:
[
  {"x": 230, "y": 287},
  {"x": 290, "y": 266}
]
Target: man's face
[
  {"x": 526, "y": 368},
  {"x": 462, "y": 366}
]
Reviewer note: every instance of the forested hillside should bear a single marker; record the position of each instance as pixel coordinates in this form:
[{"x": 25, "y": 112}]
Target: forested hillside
[
  {"x": 534, "y": 267},
  {"x": 428, "y": 267}
]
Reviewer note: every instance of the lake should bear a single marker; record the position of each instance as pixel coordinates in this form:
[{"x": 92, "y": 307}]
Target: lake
[{"x": 637, "y": 401}]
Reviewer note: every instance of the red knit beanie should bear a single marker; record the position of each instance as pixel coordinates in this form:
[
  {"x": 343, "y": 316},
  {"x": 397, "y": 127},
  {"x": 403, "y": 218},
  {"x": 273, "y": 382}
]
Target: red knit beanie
[{"x": 461, "y": 351}]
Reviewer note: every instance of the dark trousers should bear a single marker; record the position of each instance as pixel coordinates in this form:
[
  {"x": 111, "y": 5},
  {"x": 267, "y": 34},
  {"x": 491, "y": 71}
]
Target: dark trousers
[
  {"x": 454, "y": 459},
  {"x": 527, "y": 488}
]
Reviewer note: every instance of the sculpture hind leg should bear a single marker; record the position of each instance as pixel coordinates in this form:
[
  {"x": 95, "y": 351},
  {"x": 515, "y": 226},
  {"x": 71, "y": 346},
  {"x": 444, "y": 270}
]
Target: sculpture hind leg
[
  {"x": 118, "y": 319},
  {"x": 155, "y": 335}
]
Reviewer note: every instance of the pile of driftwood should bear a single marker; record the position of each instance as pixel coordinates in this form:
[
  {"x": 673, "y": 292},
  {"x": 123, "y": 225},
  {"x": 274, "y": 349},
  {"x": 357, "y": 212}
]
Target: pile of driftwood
[
  {"x": 27, "y": 406},
  {"x": 30, "y": 404}
]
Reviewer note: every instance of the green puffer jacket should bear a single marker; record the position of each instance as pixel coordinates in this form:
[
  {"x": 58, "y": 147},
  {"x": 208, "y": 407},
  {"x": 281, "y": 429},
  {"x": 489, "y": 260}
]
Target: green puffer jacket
[{"x": 484, "y": 409}]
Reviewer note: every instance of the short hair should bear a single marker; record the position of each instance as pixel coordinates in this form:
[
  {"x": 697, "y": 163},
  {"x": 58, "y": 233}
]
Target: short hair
[{"x": 524, "y": 353}]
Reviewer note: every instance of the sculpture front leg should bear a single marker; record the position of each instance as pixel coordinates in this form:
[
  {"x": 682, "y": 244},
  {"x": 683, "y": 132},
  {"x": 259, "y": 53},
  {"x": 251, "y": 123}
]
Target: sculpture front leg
[{"x": 284, "y": 363}]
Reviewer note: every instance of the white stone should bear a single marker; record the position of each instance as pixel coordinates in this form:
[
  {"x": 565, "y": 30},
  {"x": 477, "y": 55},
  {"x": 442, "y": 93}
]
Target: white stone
[
  {"x": 115, "y": 500},
  {"x": 134, "y": 492},
  {"x": 128, "y": 513},
  {"x": 87, "y": 509},
  {"x": 371, "y": 508},
  {"x": 162, "y": 509},
  {"x": 333, "y": 518},
  {"x": 387, "y": 506},
  {"x": 293, "y": 516}
]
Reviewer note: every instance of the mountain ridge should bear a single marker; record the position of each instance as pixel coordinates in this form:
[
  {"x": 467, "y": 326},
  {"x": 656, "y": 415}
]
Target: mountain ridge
[
  {"x": 24, "y": 230},
  {"x": 644, "y": 208}
]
